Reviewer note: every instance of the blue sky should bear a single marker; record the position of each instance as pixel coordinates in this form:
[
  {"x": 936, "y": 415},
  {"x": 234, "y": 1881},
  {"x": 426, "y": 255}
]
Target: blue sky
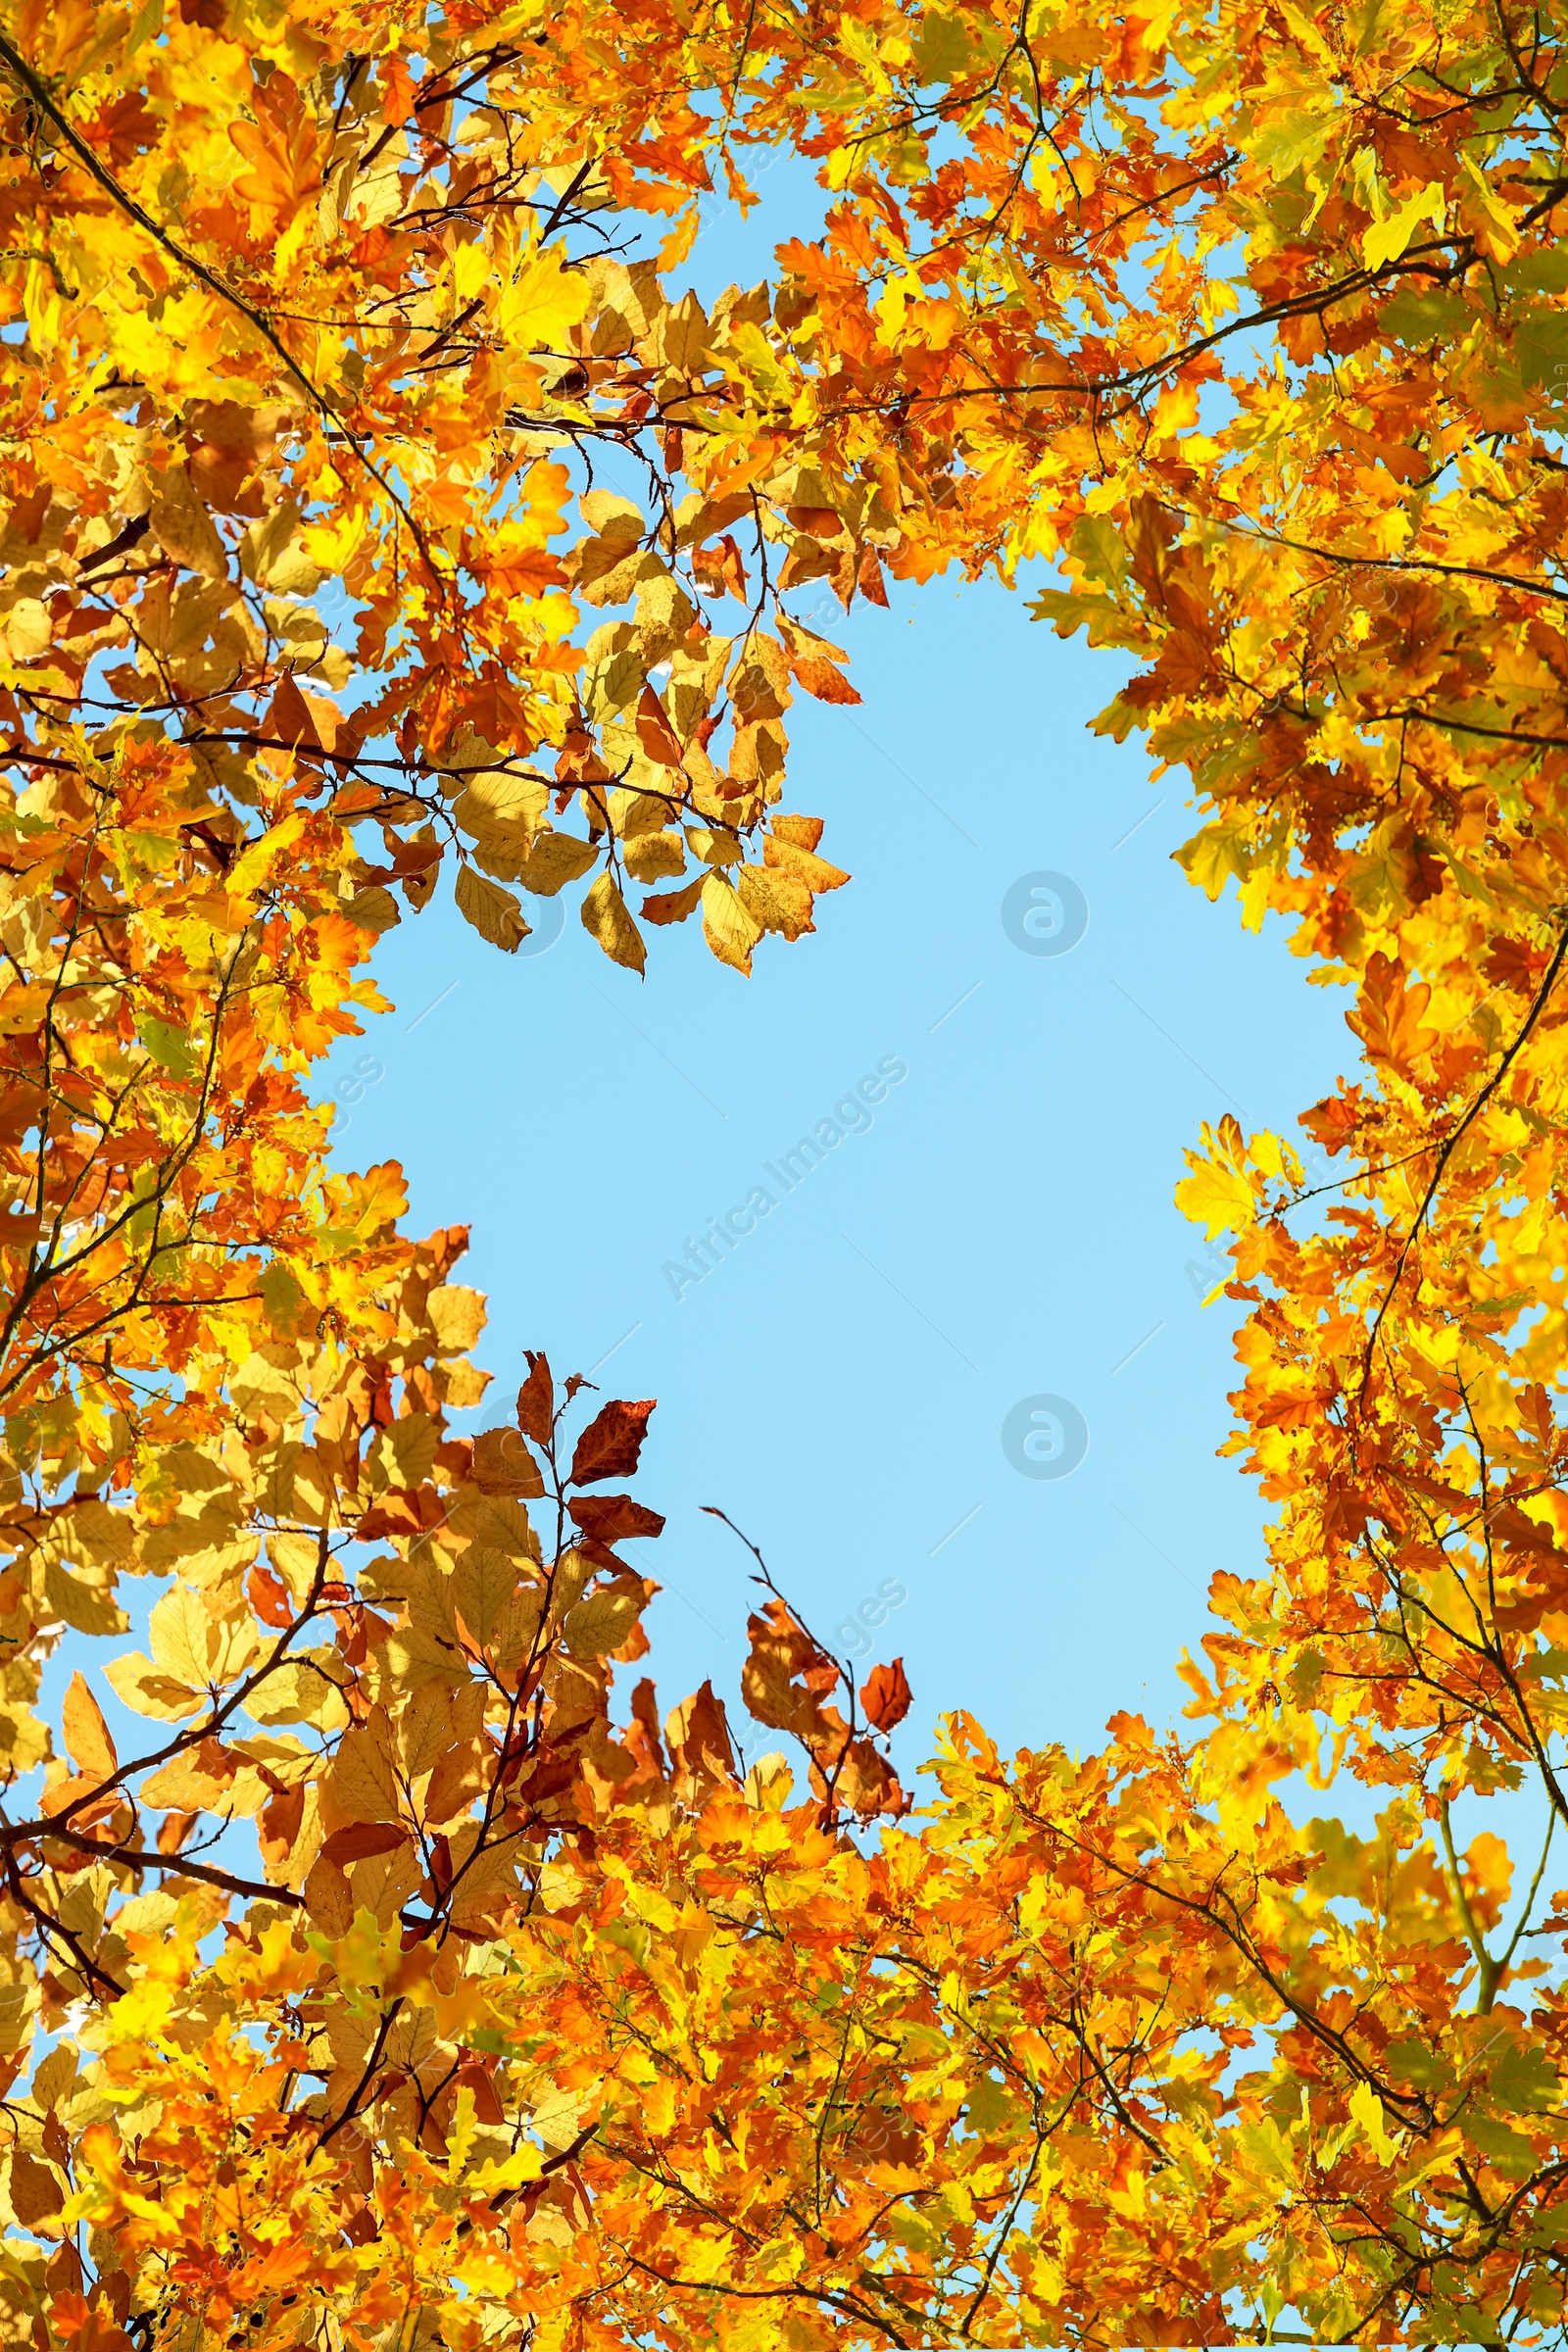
[{"x": 1000, "y": 1227}]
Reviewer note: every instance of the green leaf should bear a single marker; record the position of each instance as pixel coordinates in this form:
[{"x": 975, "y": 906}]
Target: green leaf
[
  {"x": 1523, "y": 2080},
  {"x": 1541, "y": 347},
  {"x": 169, "y": 1045}
]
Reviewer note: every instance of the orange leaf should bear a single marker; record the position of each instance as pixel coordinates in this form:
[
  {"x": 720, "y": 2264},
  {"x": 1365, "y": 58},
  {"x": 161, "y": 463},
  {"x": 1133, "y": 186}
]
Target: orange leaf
[
  {"x": 268, "y": 1599},
  {"x": 396, "y": 90},
  {"x": 86, "y": 1733},
  {"x": 654, "y": 730},
  {"x": 363, "y": 1837},
  {"x": 608, "y": 1517},
  {"x": 820, "y": 677},
  {"x": 673, "y": 905},
  {"x": 886, "y": 1696},
  {"x": 536, "y": 1400}
]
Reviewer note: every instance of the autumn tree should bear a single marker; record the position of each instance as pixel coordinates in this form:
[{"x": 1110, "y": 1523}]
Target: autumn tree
[{"x": 403, "y": 1988}]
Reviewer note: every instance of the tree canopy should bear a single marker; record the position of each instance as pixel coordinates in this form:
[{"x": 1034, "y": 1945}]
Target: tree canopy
[{"x": 414, "y": 1983}]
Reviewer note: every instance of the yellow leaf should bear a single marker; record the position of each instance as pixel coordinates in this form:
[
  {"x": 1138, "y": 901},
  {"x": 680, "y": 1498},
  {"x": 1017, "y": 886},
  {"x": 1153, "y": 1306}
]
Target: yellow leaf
[
  {"x": 330, "y": 546},
  {"x": 182, "y": 526},
  {"x": 656, "y": 856},
  {"x": 556, "y": 860},
  {"x": 675, "y": 248},
  {"x": 605, "y": 915},
  {"x": 146, "y": 1691},
  {"x": 1384, "y": 240},
  {"x": 404, "y": 1455},
  {"x": 364, "y": 1779},
  {"x": 435, "y": 1719},
  {"x": 494, "y": 913},
  {"x": 1215, "y": 1197},
  {"x": 509, "y": 2171},
  {"x": 1489, "y": 221},
  {"x": 466, "y": 2006},
  {"x": 471, "y": 269},
  {"x": 302, "y": 1690},
  {"x": 1272, "y": 1156},
  {"x": 779, "y": 901},
  {"x": 375, "y": 1200},
  {"x": 465, "y": 2129},
  {"x": 541, "y": 303},
  {"x": 657, "y": 2106},
  {"x": 599, "y": 1624},
  {"x": 253, "y": 865},
  {"x": 198, "y": 1645},
  {"x": 457, "y": 1314},
  {"x": 729, "y": 929},
  {"x": 1367, "y": 2109}
]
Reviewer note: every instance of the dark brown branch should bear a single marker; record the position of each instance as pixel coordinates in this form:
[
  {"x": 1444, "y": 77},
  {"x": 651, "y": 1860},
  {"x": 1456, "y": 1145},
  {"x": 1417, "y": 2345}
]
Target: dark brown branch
[{"x": 35, "y": 1833}]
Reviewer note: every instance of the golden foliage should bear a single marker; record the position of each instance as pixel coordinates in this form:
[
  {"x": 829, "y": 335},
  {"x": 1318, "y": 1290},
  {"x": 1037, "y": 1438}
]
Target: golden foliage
[{"x": 505, "y": 2022}]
